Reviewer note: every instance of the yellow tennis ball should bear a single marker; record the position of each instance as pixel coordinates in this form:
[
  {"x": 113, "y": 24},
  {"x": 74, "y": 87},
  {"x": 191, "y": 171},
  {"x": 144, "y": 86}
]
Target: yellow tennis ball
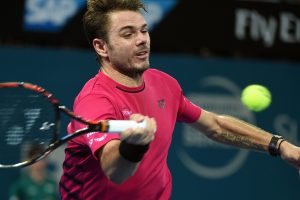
[{"x": 256, "y": 97}]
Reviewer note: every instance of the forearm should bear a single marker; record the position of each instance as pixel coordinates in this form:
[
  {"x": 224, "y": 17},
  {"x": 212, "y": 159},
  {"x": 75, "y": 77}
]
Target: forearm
[
  {"x": 235, "y": 132},
  {"x": 241, "y": 134},
  {"x": 115, "y": 167},
  {"x": 120, "y": 159},
  {"x": 232, "y": 131},
  {"x": 244, "y": 135}
]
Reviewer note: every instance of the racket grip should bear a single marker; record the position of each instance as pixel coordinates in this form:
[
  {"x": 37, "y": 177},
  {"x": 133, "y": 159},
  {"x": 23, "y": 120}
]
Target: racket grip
[{"x": 117, "y": 126}]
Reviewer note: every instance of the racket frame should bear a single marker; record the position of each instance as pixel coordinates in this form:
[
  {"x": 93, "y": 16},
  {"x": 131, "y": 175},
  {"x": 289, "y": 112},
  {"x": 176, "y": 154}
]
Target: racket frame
[{"x": 92, "y": 125}]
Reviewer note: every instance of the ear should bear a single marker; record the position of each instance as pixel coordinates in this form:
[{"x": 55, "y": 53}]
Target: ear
[{"x": 100, "y": 47}]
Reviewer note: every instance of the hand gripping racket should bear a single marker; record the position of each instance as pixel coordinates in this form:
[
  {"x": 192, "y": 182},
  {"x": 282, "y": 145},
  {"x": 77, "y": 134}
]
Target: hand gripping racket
[{"x": 31, "y": 115}]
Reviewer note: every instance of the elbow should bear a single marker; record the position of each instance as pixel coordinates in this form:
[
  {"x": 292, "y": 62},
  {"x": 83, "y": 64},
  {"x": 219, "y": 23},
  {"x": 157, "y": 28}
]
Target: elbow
[
  {"x": 215, "y": 129},
  {"x": 209, "y": 124},
  {"x": 118, "y": 175},
  {"x": 116, "y": 179}
]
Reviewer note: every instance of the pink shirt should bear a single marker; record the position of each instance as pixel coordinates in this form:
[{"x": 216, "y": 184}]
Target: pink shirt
[{"x": 161, "y": 97}]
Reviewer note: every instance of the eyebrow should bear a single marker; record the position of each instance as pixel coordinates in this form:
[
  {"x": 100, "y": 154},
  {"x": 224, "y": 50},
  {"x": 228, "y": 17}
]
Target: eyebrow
[{"x": 132, "y": 27}]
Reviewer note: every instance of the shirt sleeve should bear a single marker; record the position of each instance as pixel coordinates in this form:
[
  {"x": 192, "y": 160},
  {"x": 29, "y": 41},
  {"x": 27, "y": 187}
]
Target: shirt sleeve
[
  {"x": 94, "y": 108},
  {"x": 188, "y": 112}
]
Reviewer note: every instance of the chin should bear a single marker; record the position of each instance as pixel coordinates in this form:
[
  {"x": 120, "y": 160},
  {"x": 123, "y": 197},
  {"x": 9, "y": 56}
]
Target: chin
[
  {"x": 143, "y": 68},
  {"x": 137, "y": 70}
]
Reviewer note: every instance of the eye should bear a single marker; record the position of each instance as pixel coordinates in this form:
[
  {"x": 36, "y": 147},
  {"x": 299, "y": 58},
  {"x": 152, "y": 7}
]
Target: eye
[
  {"x": 127, "y": 35},
  {"x": 145, "y": 30}
]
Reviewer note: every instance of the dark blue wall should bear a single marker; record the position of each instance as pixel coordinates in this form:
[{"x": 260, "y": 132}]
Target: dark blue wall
[{"x": 201, "y": 169}]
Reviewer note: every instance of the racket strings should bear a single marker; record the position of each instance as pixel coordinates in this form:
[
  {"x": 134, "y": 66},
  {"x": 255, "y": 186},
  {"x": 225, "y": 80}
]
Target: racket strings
[{"x": 26, "y": 119}]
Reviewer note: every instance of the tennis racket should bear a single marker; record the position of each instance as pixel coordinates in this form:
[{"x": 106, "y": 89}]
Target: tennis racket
[{"x": 30, "y": 115}]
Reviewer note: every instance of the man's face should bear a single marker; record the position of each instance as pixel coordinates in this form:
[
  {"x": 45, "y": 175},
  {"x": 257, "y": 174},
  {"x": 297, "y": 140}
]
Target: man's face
[{"x": 129, "y": 42}]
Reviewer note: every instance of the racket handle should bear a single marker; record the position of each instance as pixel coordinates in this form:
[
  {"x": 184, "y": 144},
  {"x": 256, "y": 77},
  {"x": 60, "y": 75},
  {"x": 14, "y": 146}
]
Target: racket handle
[{"x": 117, "y": 126}]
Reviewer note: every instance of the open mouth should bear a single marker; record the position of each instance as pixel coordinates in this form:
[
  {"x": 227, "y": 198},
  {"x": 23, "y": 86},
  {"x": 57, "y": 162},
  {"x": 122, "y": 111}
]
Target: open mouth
[{"x": 142, "y": 54}]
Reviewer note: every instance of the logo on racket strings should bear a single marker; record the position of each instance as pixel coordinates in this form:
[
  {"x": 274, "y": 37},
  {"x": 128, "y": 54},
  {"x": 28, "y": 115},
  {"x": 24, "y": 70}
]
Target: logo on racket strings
[
  {"x": 46, "y": 126},
  {"x": 14, "y": 136}
]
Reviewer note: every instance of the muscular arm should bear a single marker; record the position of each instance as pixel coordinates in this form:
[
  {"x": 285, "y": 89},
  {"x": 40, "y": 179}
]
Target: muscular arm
[
  {"x": 232, "y": 131},
  {"x": 116, "y": 168},
  {"x": 235, "y": 132}
]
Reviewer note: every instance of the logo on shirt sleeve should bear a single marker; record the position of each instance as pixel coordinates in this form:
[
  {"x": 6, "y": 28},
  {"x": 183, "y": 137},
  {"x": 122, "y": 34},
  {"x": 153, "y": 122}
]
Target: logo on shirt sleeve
[
  {"x": 126, "y": 112},
  {"x": 95, "y": 138}
]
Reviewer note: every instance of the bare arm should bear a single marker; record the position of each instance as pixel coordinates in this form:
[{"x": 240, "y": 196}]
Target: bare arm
[
  {"x": 114, "y": 165},
  {"x": 235, "y": 132},
  {"x": 116, "y": 168},
  {"x": 232, "y": 131}
]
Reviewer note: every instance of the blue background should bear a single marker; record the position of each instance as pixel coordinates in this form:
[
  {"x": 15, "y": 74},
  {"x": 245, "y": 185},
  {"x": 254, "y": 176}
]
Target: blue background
[{"x": 64, "y": 71}]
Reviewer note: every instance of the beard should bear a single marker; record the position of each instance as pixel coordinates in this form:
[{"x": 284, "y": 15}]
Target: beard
[
  {"x": 130, "y": 66},
  {"x": 131, "y": 69}
]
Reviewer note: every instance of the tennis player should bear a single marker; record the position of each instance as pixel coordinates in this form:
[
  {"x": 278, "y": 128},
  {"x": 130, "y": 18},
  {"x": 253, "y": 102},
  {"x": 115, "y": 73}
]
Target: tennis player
[{"x": 133, "y": 165}]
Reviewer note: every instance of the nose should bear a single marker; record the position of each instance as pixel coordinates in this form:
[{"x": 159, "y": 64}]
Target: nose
[{"x": 142, "y": 38}]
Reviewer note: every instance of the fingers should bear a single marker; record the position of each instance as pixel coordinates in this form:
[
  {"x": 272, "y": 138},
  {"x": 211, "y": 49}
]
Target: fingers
[
  {"x": 140, "y": 136},
  {"x": 137, "y": 117}
]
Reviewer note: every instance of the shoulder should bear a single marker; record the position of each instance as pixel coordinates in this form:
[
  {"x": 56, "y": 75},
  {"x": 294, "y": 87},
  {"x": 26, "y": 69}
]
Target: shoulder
[
  {"x": 156, "y": 74},
  {"x": 91, "y": 87},
  {"x": 22, "y": 181},
  {"x": 94, "y": 89}
]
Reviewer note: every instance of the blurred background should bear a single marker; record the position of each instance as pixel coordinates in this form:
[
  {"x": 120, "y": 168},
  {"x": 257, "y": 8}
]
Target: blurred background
[{"x": 213, "y": 48}]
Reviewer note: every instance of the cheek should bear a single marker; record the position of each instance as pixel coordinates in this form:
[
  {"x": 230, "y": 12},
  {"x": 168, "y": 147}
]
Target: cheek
[{"x": 123, "y": 50}]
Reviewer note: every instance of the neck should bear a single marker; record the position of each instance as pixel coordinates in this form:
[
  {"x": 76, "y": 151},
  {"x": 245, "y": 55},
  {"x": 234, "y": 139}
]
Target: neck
[
  {"x": 37, "y": 176},
  {"x": 132, "y": 80}
]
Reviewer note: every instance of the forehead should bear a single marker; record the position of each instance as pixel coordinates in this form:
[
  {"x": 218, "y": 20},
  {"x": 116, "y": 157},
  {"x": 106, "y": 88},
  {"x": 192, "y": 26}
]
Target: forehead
[{"x": 120, "y": 19}]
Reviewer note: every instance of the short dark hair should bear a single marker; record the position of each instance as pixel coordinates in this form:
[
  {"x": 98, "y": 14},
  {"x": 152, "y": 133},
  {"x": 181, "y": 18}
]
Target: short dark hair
[{"x": 96, "y": 18}]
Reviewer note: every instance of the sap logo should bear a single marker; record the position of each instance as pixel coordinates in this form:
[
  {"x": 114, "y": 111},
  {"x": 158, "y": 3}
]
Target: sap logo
[{"x": 50, "y": 15}]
